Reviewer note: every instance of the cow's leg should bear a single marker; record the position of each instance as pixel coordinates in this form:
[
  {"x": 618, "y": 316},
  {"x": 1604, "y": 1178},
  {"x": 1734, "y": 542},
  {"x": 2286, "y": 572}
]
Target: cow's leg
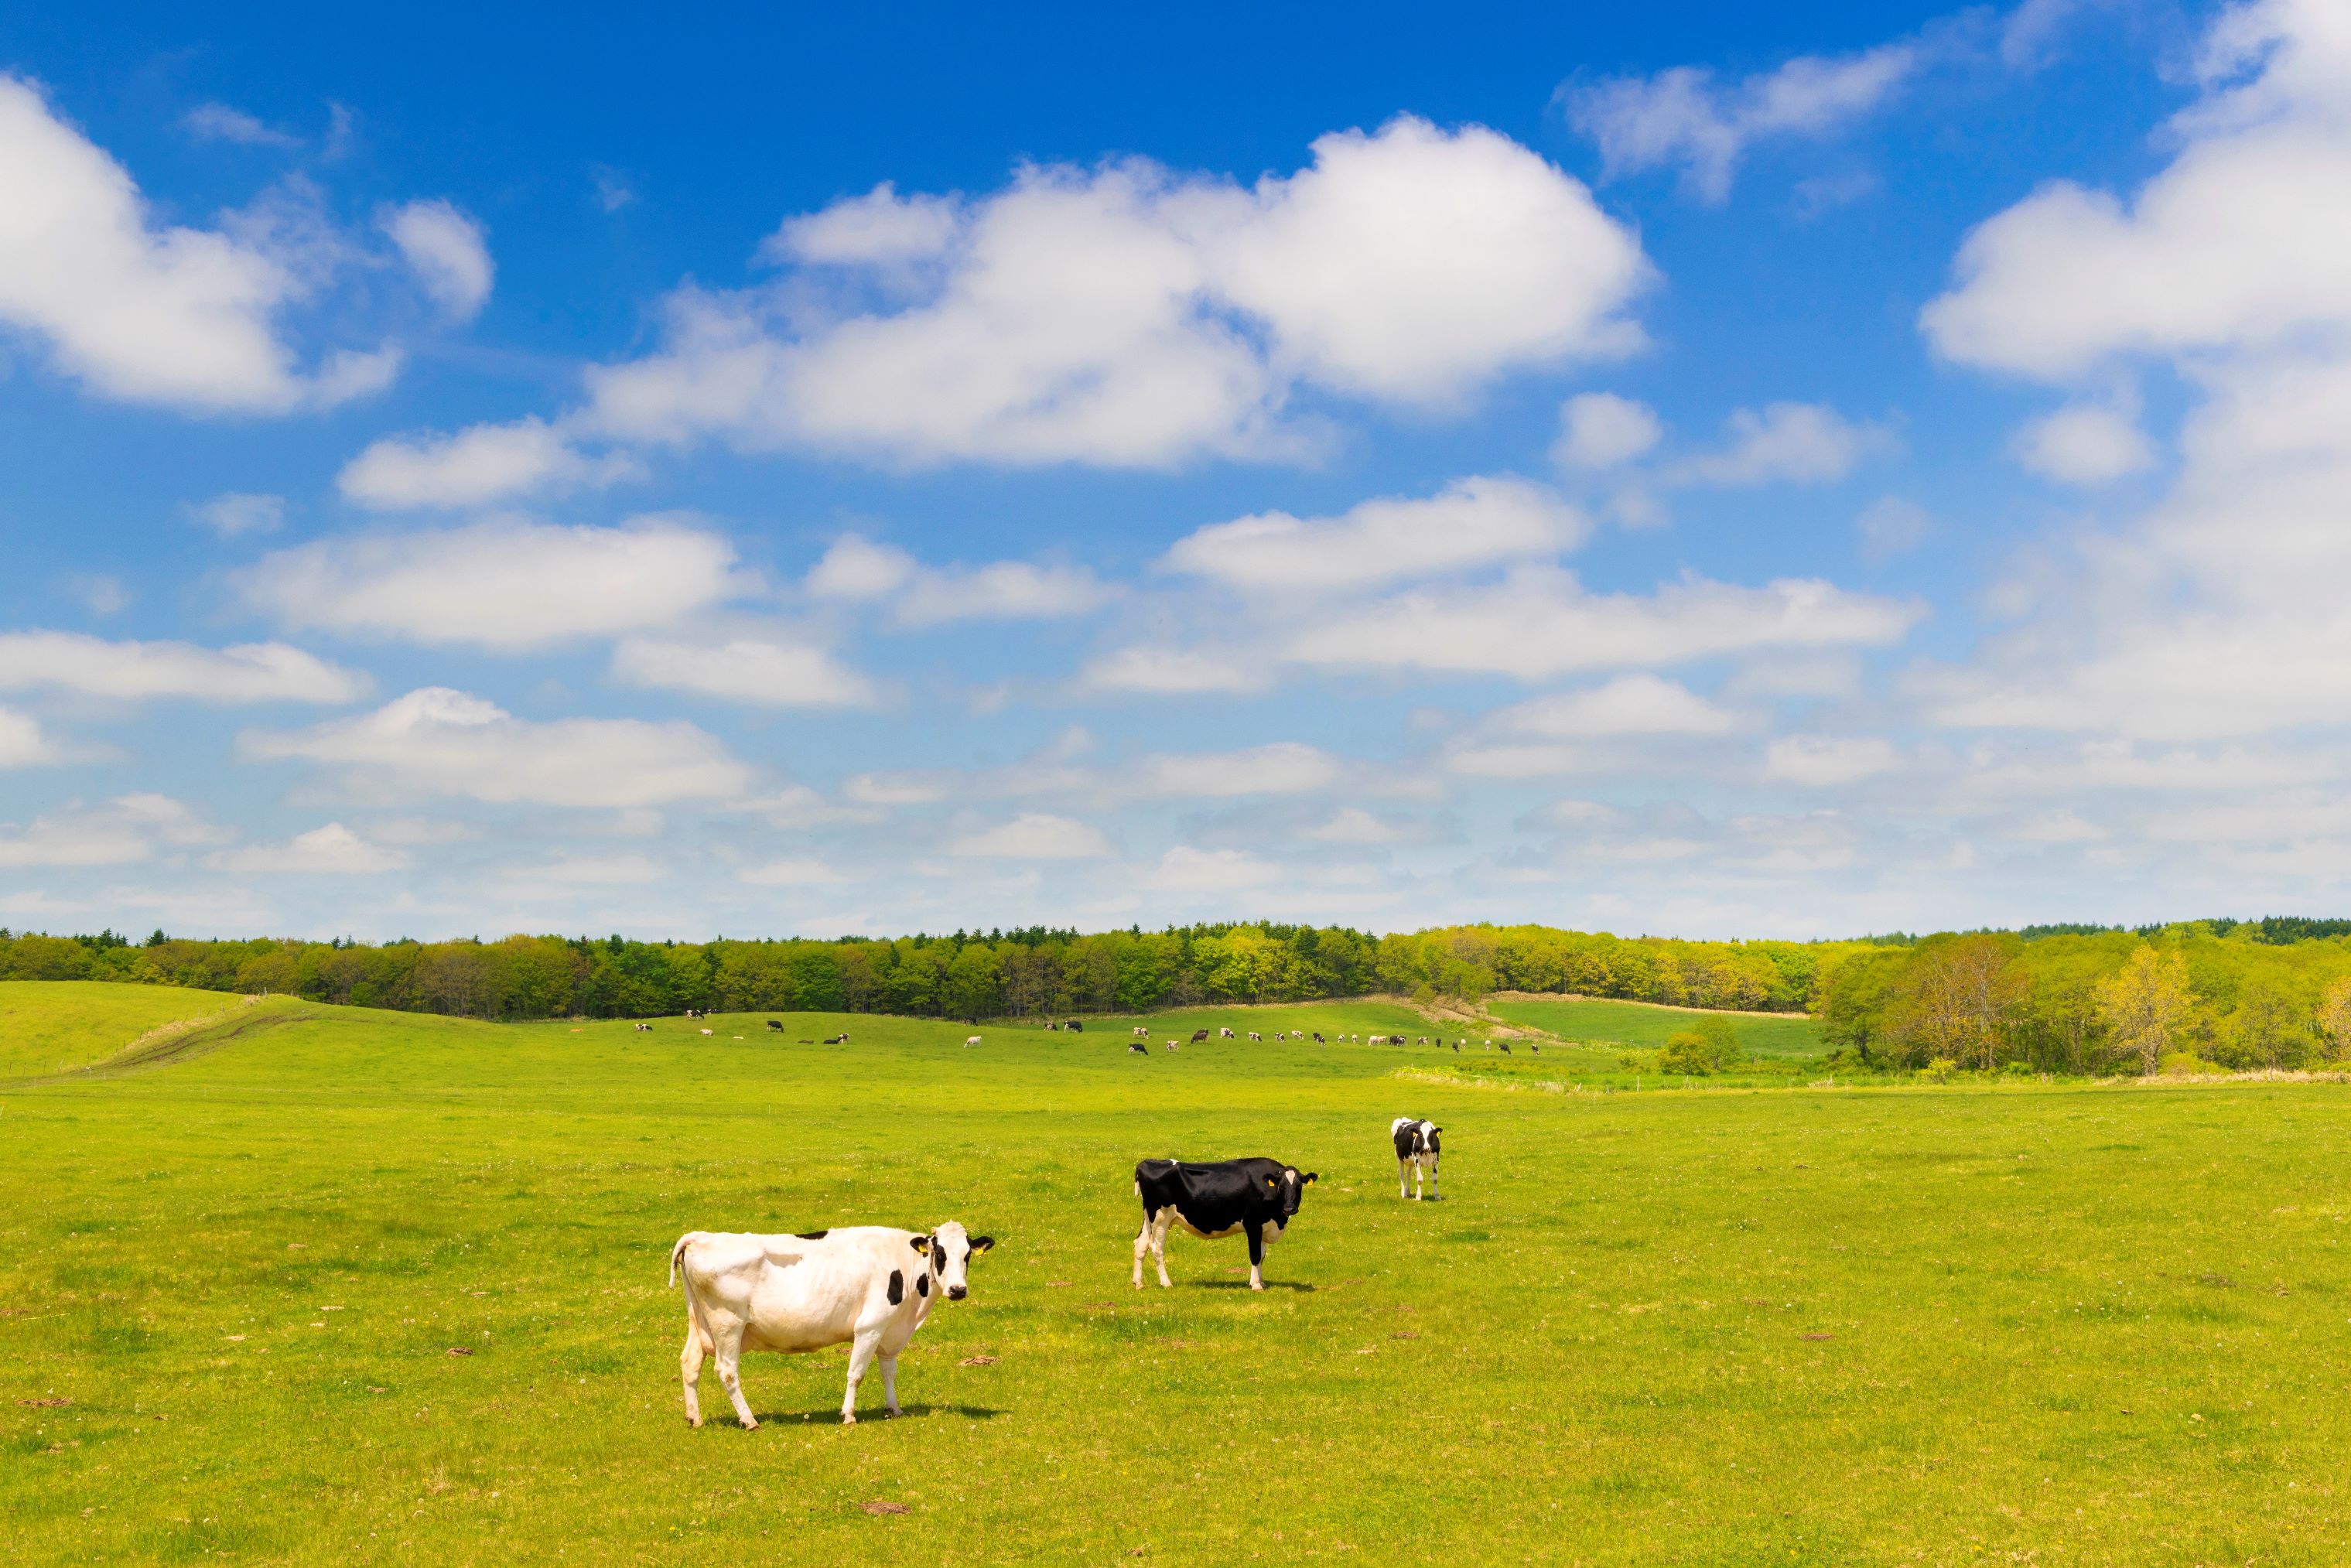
[
  {"x": 890, "y": 1382},
  {"x": 1162, "y": 1223},
  {"x": 1142, "y": 1245},
  {"x": 1403, "y": 1178},
  {"x": 1256, "y": 1256},
  {"x": 697, "y": 1346},
  {"x": 861, "y": 1356},
  {"x": 729, "y": 1346},
  {"x": 1432, "y": 1178}
]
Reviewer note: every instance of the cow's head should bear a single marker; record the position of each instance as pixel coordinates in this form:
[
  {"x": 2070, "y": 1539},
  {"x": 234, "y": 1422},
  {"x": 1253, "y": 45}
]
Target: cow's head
[
  {"x": 949, "y": 1252},
  {"x": 1289, "y": 1190}
]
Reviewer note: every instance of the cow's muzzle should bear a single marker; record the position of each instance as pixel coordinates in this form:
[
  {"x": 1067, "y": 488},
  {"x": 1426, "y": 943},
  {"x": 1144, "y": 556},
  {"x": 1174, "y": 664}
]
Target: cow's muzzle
[{"x": 957, "y": 1292}]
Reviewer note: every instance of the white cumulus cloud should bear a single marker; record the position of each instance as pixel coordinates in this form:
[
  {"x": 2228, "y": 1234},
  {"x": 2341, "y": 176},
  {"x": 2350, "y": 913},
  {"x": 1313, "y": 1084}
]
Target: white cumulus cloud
[
  {"x": 133, "y": 672},
  {"x": 1686, "y": 117},
  {"x": 1129, "y": 315},
  {"x": 856, "y": 569},
  {"x": 1820, "y": 762},
  {"x": 1035, "y": 835},
  {"x": 497, "y": 584},
  {"x": 480, "y": 464},
  {"x": 447, "y": 250},
  {"x": 1473, "y": 522},
  {"x": 22, "y": 744},
  {"x": 2084, "y": 443},
  {"x": 181, "y": 318},
  {"x": 1602, "y": 430},
  {"x": 764, "y": 672},
  {"x": 437, "y": 741},
  {"x": 329, "y": 851},
  {"x": 1792, "y": 442},
  {"x": 1541, "y": 623}
]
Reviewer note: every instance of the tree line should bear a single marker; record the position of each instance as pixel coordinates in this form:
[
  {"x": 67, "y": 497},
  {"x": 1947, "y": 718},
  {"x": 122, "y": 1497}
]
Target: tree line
[
  {"x": 2218, "y": 993},
  {"x": 2205, "y": 994},
  {"x": 1021, "y": 973}
]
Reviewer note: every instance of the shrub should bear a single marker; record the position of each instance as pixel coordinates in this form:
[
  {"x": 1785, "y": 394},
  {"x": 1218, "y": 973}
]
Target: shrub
[
  {"x": 1939, "y": 1071},
  {"x": 1689, "y": 1053},
  {"x": 2187, "y": 1064}
]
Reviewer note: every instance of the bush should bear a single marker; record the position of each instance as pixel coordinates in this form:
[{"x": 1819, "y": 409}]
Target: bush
[
  {"x": 2187, "y": 1064},
  {"x": 1689, "y": 1053},
  {"x": 1939, "y": 1071}
]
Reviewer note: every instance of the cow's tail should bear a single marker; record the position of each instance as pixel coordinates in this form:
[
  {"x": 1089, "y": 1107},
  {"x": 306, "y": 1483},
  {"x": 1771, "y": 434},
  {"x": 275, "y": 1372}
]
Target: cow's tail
[{"x": 677, "y": 1253}]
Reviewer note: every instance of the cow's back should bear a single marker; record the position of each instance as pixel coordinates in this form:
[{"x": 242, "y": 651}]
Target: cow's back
[{"x": 792, "y": 1293}]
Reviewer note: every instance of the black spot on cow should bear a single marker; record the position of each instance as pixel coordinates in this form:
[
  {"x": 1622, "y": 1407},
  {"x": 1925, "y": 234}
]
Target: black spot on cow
[
  {"x": 897, "y": 1287},
  {"x": 814, "y": 1234},
  {"x": 923, "y": 1285}
]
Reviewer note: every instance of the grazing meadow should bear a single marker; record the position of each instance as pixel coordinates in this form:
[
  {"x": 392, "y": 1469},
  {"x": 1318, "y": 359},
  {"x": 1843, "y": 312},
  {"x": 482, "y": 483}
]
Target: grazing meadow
[{"x": 324, "y": 1284}]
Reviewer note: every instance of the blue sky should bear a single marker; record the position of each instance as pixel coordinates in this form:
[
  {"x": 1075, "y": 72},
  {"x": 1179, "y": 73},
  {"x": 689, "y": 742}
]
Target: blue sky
[{"x": 1718, "y": 472}]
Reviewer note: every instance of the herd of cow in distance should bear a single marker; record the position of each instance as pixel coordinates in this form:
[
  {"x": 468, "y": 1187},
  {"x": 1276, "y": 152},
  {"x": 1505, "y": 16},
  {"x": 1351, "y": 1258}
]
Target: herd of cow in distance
[{"x": 872, "y": 1287}]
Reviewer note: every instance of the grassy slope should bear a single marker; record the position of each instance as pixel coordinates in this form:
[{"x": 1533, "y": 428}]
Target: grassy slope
[
  {"x": 2070, "y": 1325},
  {"x": 52, "y": 1025},
  {"x": 1641, "y": 1024}
]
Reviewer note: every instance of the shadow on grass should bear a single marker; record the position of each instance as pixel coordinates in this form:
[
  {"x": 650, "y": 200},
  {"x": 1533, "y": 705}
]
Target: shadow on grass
[
  {"x": 1244, "y": 1284},
  {"x": 831, "y": 1414}
]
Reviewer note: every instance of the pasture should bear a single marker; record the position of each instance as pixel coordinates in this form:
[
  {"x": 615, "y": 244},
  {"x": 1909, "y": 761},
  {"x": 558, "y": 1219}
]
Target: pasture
[
  {"x": 1596, "y": 1021},
  {"x": 364, "y": 1287}
]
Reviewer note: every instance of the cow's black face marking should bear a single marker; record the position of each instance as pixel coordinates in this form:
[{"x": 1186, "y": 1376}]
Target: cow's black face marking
[
  {"x": 897, "y": 1287},
  {"x": 923, "y": 1285},
  {"x": 814, "y": 1234}
]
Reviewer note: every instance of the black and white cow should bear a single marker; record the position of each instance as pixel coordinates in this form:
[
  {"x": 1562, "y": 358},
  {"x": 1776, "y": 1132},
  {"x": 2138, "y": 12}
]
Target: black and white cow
[
  {"x": 1257, "y": 1197},
  {"x": 1198, "y": 1035},
  {"x": 1138, "y": 1048},
  {"x": 1415, "y": 1150},
  {"x": 1075, "y": 1027},
  {"x": 867, "y": 1284}
]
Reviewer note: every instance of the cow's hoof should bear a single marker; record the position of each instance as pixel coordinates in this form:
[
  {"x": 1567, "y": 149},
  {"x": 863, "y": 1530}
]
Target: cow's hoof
[
  {"x": 894, "y": 1413},
  {"x": 849, "y": 1417},
  {"x": 750, "y": 1425}
]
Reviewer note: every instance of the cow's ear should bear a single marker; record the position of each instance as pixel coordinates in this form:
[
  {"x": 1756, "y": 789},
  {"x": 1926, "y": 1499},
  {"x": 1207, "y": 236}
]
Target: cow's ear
[
  {"x": 1308, "y": 1178},
  {"x": 982, "y": 1243},
  {"x": 922, "y": 1245}
]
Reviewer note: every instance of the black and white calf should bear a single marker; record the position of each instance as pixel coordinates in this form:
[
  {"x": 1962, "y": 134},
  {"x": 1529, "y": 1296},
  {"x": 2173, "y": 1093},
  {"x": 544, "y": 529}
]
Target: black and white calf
[
  {"x": 1415, "y": 1147},
  {"x": 1257, "y": 1197}
]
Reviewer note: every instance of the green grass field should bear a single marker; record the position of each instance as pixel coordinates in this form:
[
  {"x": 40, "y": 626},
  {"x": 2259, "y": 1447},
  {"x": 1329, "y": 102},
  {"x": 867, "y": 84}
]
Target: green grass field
[
  {"x": 1647, "y": 1026},
  {"x": 2008, "y": 1324},
  {"x": 58, "y": 1026}
]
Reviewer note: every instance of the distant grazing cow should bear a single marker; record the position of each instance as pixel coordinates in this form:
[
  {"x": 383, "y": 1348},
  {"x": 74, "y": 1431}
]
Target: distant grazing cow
[
  {"x": 1457, "y": 1048},
  {"x": 1053, "y": 1028},
  {"x": 1075, "y": 1027},
  {"x": 1257, "y": 1197},
  {"x": 1505, "y": 1048},
  {"x": 645, "y": 1029},
  {"x": 835, "y": 1039},
  {"x": 1415, "y": 1147},
  {"x": 1198, "y": 1035},
  {"x": 867, "y": 1284},
  {"x": 1319, "y": 1040},
  {"x": 1138, "y": 1048},
  {"x": 973, "y": 1040},
  {"x": 1140, "y": 1030},
  {"x": 710, "y": 1031},
  {"x": 1255, "y": 1036},
  {"x": 776, "y": 1024},
  {"x": 1224, "y": 1034},
  {"x": 1173, "y": 1046}
]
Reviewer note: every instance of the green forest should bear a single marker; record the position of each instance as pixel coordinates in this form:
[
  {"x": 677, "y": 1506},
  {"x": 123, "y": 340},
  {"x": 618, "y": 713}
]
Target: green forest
[{"x": 2216, "y": 994}]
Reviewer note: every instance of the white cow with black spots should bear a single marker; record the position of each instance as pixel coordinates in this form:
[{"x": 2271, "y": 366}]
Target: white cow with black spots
[
  {"x": 867, "y": 1284},
  {"x": 1416, "y": 1152}
]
